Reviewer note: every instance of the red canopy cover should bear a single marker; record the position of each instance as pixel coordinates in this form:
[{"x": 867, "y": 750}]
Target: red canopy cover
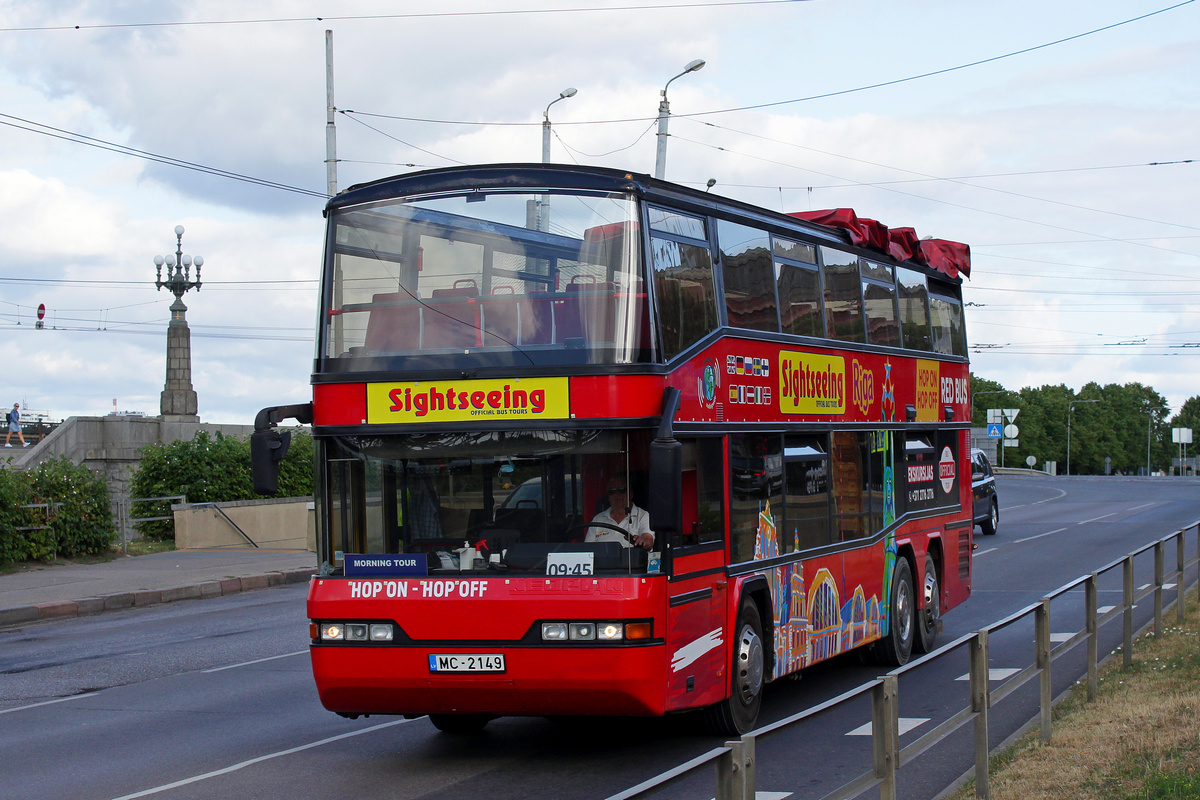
[{"x": 902, "y": 244}]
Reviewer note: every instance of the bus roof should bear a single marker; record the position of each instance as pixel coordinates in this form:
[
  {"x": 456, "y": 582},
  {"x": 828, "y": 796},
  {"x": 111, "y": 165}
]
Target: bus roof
[{"x": 836, "y": 226}]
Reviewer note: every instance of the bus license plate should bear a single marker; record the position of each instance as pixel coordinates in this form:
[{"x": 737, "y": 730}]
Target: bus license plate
[{"x": 475, "y": 662}]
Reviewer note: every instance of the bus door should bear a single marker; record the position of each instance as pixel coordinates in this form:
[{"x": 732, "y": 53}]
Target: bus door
[{"x": 696, "y": 625}]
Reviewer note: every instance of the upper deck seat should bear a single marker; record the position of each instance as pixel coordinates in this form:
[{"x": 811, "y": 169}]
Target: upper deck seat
[
  {"x": 394, "y": 327},
  {"x": 451, "y": 317}
]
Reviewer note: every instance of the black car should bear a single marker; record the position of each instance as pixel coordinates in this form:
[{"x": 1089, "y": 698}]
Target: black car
[{"x": 983, "y": 487}]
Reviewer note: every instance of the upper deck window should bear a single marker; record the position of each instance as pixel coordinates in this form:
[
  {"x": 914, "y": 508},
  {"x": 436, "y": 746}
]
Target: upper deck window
[
  {"x": 914, "y": 309},
  {"x": 683, "y": 279},
  {"x": 798, "y": 284},
  {"x": 843, "y": 296},
  {"x": 879, "y": 304},
  {"x": 746, "y": 268},
  {"x": 946, "y": 322},
  {"x": 504, "y": 277}
]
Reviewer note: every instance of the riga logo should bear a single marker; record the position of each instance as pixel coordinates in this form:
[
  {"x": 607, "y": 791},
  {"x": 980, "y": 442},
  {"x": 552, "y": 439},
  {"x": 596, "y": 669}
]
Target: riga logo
[
  {"x": 946, "y": 470},
  {"x": 864, "y": 388}
]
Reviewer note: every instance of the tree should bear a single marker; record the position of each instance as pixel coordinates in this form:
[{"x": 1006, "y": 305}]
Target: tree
[{"x": 211, "y": 469}]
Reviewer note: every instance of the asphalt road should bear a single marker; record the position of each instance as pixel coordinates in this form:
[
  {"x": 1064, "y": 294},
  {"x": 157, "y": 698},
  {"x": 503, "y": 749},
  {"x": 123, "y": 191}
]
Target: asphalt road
[{"x": 214, "y": 698}]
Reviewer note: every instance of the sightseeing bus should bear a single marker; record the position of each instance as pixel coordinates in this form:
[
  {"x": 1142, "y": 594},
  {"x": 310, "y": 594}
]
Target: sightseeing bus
[{"x": 503, "y": 349}]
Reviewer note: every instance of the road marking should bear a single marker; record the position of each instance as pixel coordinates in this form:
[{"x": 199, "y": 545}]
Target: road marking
[
  {"x": 49, "y": 702},
  {"x": 1096, "y": 519},
  {"x": 1040, "y": 535},
  {"x": 985, "y": 552},
  {"x": 251, "y": 762},
  {"x": 770, "y": 795},
  {"x": 255, "y": 661},
  {"x": 1060, "y": 637},
  {"x": 997, "y": 674},
  {"x": 906, "y": 725},
  {"x": 1144, "y": 505},
  {"x": 1104, "y": 609}
]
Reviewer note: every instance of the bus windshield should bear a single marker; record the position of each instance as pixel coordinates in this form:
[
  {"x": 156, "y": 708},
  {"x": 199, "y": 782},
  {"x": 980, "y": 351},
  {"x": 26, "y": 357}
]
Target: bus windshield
[
  {"x": 511, "y": 498},
  {"x": 505, "y": 277}
]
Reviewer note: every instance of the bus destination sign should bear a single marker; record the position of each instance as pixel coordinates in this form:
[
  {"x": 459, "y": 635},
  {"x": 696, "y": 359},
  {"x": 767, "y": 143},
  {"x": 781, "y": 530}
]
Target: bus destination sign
[{"x": 468, "y": 400}]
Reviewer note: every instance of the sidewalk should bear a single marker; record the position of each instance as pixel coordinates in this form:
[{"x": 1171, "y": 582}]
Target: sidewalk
[{"x": 68, "y": 590}]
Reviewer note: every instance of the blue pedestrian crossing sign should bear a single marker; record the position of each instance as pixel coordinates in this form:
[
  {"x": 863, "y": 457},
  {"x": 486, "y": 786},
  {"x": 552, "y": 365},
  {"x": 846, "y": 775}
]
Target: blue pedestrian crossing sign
[{"x": 994, "y": 431}]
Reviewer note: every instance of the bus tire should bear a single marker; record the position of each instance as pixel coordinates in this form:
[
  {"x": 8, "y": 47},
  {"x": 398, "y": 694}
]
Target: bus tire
[
  {"x": 460, "y": 723},
  {"x": 896, "y": 647},
  {"x": 738, "y": 713},
  {"x": 927, "y": 617}
]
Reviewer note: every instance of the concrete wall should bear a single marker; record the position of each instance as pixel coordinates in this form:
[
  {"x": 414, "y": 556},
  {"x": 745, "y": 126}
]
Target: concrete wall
[
  {"x": 112, "y": 446},
  {"x": 277, "y": 523}
]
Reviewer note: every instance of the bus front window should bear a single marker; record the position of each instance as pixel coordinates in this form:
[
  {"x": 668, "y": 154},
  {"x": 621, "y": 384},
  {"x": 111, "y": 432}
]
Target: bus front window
[
  {"x": 512, "y": 498},
  {"x": 505, "y": 277}
]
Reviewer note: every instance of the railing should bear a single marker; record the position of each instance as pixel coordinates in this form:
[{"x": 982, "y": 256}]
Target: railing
[
  {"x": 125, "y": 516},
  {"x": 735, "y": 761},
  {"x": 48, "y": 508}
]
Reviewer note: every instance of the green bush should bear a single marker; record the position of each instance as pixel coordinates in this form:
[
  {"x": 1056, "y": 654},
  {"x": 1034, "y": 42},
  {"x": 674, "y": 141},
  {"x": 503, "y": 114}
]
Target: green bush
[
  {"x": 210, "y": 469},
  {"x": 78, "y": 523}
]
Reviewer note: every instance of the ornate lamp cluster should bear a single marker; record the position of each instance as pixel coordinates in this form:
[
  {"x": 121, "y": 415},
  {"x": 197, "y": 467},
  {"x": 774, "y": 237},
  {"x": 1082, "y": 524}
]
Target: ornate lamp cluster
[{"x": 178, "y": 280}]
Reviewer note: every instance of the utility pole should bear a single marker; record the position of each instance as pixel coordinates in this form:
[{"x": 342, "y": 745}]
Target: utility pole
[{"x": 330, "y": 109}]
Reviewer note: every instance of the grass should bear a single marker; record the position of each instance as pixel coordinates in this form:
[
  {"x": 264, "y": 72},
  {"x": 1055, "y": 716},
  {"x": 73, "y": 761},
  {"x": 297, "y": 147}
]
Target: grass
[{"x": 1138, "y": 741}]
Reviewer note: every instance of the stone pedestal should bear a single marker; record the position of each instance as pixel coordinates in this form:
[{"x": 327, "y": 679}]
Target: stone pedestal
[{"x": 178, "y": 401}]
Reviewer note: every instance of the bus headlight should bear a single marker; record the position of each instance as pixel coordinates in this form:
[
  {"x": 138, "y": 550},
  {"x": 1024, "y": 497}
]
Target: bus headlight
[
  {"x": 554, "y": 631},
  {"x": 381, "y": 633},
  {"x": 331, "y": 632},
  {"x": 582, "y": 630},
  {"x": 610, "y": 631}
]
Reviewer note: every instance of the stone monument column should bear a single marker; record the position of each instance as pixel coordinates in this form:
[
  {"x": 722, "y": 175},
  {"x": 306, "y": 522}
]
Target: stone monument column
[{"x": 178, "y": 402}]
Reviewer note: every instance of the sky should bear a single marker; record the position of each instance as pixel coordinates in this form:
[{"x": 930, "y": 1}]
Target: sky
[{"x": 1057, "y": 139}]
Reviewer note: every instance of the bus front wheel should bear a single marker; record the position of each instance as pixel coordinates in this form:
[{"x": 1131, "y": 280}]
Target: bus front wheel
[
  {"x": 895, "y": 648},
  {"x": 737, "y": 714}
]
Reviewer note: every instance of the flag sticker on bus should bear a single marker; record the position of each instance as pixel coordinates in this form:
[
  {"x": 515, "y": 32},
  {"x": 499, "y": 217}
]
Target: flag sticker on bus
[
  {"x": 468, "y": 400},
  {"x": 811, "y": 384}
]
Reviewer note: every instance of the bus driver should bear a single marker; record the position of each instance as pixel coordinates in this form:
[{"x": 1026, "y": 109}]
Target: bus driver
[{"x": 625, "y": 515}]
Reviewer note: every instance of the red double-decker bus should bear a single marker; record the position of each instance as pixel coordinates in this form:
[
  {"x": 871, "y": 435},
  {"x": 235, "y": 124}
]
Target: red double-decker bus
[{"x": 768, "y": 412}]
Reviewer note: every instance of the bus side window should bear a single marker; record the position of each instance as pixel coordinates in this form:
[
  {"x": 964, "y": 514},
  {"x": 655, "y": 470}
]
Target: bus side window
[
  {"x": 683, "y": 281},
  {"x": 756, "y": 492},
  {"x": 851, "y": 484},
  {"x": 806, "y": 480},
  {"x": 703, "y": 492},
  {"x": 748, "y": 276},
  {"x": 843, "y": 296}
]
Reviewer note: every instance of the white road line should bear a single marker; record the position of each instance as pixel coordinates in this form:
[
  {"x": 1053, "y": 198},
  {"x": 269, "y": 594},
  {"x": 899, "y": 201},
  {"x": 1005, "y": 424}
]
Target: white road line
[
  {"x": 1060, "y": 637},
  {"x": 906, "y": 725},
  {"x": 1144, "y": 505},
  {"x": 251, "y": 762},
  {"x": 1104, "y": 609},
  {"x": 255, "y": 661},
  {"x": 1040, "y": 535},
  {"x": 994, "y": 674},
  {"x": 1096, "y": 519},
  {"x": 1061, "y": 494},
  {"x": 985, "y": 552},
  {"x": 48, "y": 702}
]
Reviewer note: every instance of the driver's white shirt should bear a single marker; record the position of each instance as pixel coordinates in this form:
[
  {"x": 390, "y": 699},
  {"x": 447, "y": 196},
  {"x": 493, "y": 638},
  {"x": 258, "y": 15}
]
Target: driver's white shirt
[{"x": 636, "y": 522}]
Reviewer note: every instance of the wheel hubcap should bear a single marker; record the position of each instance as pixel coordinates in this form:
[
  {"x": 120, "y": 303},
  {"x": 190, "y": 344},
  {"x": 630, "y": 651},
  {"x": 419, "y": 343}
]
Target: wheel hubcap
[
  {"x": 903, "y": 612},
  {"x": 749, "y": 663},
  {"x": 932, "y": 599}
]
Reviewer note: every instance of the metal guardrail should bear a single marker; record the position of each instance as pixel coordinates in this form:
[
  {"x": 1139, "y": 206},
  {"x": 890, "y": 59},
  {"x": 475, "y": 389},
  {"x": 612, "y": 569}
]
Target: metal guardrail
[
  {"x": 221, "y": 512},
  {"x": 125, "y": 514},
  {"x": 735, "y": 761},
  {"x": 49, "y": 509}
]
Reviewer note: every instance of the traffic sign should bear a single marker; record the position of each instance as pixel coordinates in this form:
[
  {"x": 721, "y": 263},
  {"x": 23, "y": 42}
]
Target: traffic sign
[
  {"x": 1011, "y": 414},
  {"x": 993, "y": 431}
]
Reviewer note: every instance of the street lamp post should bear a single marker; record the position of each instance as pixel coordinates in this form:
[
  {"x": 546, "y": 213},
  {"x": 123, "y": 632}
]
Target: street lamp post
[
  {"x": 178, "y": 400},
  {"x": 563, "y": 95},
  {"x": 664, "y": 112},
  {"x": 1071, "y": 408}
]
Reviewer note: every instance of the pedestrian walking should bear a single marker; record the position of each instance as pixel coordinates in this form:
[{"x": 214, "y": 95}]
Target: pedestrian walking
[{"x": 14, "y": 425}]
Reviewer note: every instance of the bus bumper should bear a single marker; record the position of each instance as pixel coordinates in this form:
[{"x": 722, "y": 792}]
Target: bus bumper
[{"x": 542, "y": 681}]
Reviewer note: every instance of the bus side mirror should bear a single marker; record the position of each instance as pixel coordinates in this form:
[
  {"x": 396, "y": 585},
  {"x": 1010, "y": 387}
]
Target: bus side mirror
[
  {"x": 666, "y": 487},
  {"x": 666, "y": 472},
  {"x": 267, "y": 449}
]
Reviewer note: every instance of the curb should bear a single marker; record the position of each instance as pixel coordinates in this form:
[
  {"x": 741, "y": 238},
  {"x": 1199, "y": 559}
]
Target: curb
[{"x": 36, "y": 612}]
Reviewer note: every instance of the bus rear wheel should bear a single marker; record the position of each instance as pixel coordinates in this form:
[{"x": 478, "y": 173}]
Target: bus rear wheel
[
  {"x": 895, "y": 648},
  {"x": 737, "y": 714},
  {"x": 928, "y": 617},
  {"x": 460, "y": 723}
]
